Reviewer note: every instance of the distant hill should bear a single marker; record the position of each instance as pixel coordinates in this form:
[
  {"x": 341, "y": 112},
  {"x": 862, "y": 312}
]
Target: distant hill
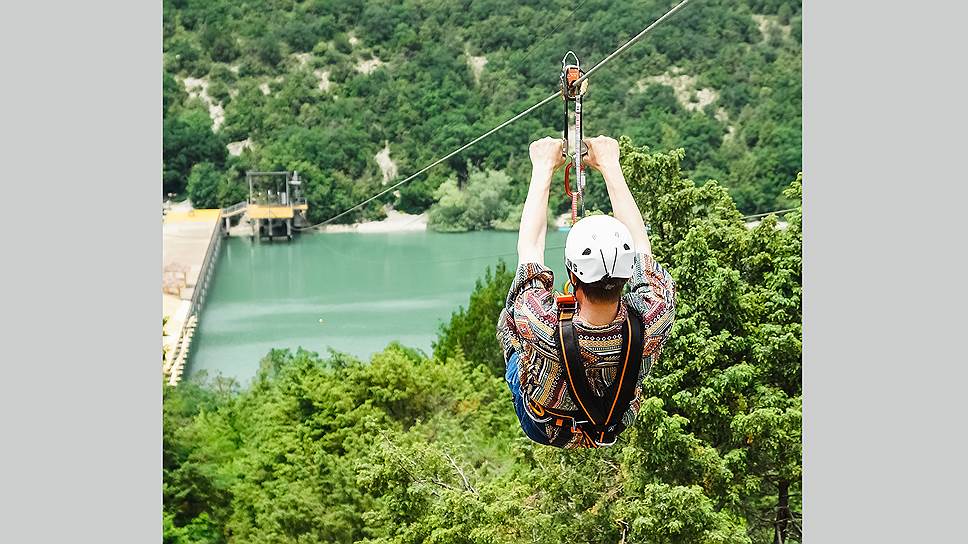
[{"x": 346, "y": 92}]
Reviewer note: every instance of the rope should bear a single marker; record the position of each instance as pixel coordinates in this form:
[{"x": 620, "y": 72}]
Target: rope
[{"x": 551, "y": 97}]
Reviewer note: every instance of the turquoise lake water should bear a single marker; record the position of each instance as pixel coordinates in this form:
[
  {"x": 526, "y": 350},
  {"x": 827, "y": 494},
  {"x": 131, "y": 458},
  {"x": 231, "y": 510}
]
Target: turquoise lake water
[{"x": 351, "y": 292}]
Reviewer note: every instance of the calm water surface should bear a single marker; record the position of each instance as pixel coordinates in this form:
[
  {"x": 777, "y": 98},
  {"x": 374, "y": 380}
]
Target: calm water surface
[{"x": 350, "y": 292}]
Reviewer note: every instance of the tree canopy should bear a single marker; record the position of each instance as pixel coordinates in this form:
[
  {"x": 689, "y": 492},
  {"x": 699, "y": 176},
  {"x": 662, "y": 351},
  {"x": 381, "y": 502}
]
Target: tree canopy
[
  {"x": 414, "y": 448},
  {"x": 322, "y": 86}
]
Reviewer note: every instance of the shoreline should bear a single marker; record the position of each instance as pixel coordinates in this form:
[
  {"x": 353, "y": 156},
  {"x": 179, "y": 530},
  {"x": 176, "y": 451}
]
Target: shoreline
[{"x": 395, "y": 221}]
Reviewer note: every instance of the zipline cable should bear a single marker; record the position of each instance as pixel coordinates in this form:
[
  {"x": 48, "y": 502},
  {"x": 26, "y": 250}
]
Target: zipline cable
[
  {"x": 438, "y": 161},
  {"x": 513, "y": 70},
  {"x": 517, "y": 65},
  {"x": 507, "y": 254},
  {"x": 557, "y": 94},
  {"x": 478, "y": 257},
  {"x": 764, "y": 214},
  {"x": 510, "y": 253}
]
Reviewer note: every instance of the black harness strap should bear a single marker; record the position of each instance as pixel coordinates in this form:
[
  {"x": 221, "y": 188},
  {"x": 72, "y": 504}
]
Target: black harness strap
[
  {"x": 598, "y": 418},
  {"x": 575, "y": 371},
  {"x": 631, "y": 365}
]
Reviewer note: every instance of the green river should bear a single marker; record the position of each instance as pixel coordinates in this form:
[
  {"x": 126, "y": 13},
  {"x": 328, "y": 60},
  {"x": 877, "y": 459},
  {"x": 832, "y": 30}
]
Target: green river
[{"x": 350, "y": 292}]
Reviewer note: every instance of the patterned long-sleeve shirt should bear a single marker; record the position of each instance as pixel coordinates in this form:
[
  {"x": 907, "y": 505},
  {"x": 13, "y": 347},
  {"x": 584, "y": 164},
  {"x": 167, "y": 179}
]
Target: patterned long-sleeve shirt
[{"x": 529, "y": 321}]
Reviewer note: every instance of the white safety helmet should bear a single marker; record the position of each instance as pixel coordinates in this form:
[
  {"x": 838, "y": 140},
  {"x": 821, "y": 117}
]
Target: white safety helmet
[{"x": 599, "y": 246}]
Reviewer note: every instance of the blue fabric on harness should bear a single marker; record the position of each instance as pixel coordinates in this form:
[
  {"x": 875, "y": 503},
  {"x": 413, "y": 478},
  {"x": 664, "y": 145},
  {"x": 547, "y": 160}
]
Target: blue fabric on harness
[{"x": 533, "y": 430}]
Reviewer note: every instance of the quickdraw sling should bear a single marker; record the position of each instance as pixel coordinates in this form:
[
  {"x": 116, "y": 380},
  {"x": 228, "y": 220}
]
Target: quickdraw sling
[{"x": 598, "y": 420}]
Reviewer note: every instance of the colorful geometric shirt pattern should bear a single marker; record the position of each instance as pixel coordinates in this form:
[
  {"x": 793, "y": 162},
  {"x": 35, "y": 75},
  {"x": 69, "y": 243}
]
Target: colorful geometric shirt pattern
[{"x": 529, "y": 322}]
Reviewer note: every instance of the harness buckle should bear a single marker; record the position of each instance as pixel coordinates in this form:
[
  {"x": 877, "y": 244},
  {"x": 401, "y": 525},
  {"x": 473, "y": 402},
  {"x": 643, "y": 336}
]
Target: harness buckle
[{"x": 567, "y": 306}]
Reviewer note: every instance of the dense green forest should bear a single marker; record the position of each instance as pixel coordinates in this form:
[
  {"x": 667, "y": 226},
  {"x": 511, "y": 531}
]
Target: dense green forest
[
  {"x": 411, "y": 447},
  {"x": 326, "y": 86}
]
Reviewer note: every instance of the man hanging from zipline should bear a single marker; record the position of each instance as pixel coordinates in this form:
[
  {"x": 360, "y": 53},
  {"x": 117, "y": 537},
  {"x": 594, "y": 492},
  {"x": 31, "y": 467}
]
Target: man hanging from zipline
[{"x": 575, "y": 363}]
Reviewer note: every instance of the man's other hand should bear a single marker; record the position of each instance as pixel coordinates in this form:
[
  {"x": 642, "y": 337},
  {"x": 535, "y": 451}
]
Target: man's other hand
[
  {"x": 546, "y": 154},
  {"x": 602, "y": 152}
]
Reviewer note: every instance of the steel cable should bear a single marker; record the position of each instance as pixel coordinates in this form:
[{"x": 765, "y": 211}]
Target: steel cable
[{"x": 551, "y": 97}]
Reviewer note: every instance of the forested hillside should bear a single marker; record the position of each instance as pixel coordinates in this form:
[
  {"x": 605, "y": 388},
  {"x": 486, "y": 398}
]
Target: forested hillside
[
  {"x": 410, "y": 447},
  {"x": 358, "y": 93}
]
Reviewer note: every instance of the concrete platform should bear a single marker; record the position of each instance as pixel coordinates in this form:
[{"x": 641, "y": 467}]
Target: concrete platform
[{"x": 185, "y": 239}]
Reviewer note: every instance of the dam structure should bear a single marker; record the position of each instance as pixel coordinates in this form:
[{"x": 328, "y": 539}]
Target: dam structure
[{"x": 191, "y": 242}]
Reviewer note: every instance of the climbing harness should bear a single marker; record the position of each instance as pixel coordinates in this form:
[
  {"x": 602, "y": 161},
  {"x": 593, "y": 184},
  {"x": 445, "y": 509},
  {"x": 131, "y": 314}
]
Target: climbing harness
[
  {"x": 570, "y": 92},
  {"x": 598, "y": 420}
]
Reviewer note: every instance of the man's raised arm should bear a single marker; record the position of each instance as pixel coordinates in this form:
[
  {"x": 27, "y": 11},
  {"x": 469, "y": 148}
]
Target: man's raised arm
[
  {"x": 603, "y": 156},
  {"x": 546, "y": 157}
]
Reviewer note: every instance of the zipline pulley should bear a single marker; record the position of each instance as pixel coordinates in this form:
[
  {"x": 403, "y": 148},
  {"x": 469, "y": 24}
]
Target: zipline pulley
[{"x": 570, "y": 72}]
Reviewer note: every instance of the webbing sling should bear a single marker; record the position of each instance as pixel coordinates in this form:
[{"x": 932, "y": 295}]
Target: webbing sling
[{"x": 598, "y": 419}]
